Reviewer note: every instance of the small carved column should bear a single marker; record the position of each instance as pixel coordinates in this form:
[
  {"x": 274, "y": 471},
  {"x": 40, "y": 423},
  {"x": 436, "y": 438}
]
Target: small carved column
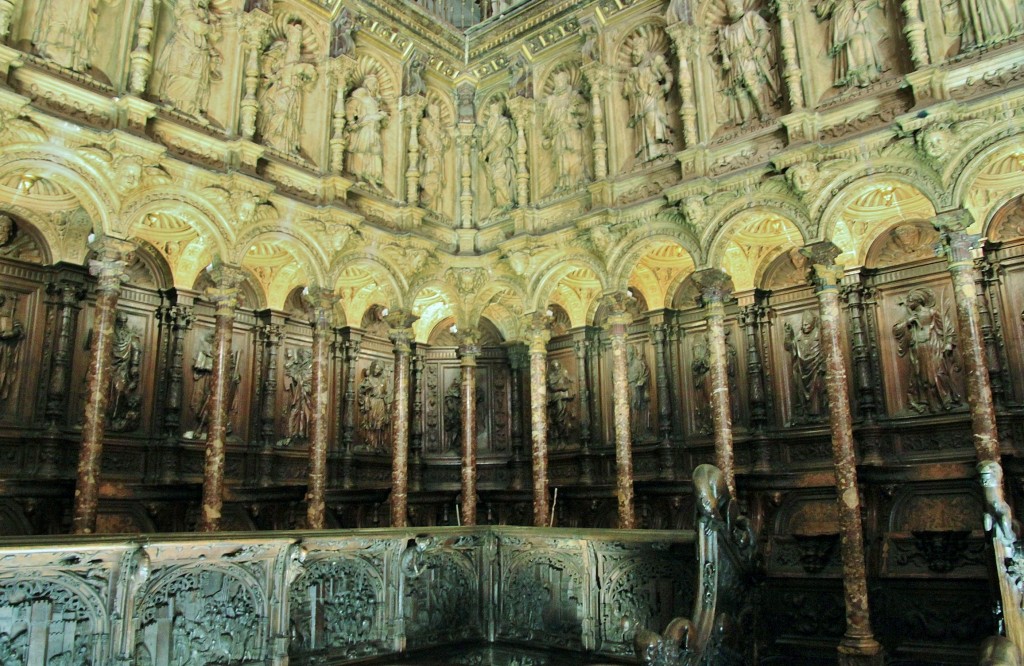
[
  {"x": 322, "y": 302},
  {"x": 659, "y": 336},
  {"x": 179, "y": 319},
  {"x": 349, "y": 429},
  {"x": 790, "y": 59},
  {"x": 224, "y": 296},
  {"x": 985, "y": 273},
  {"x": 539, "y": 334},
  {"x": 412, "y": 106},
  {"x": 68, "y": 295},
  {"x": 464, "y": 139},
  {"x": 685, "y": 39},
  {"x": 618, "y": 320},
  {"x": 469, "y": 349},
  {"x": 7, "y": 8},
  {"x": 750, "y": 317},
  {"x": 522, "y": 110},
  {"x": 338, "y": 70},
  {"x": 255, "y": 25},
  {"x": 858, "y": 645},
  {"x": 111, "y": 259},
  {"x": 862, "y": 373},
  {"x": 416, "y": 438},
  {"x": 583, "y": 391},
  {"x": 715, "y": 288},
  {"x": 915, "y": 32},
  {"x": 141, "y": 59},
  {"x": 518, "y": 360},
  {"x": 401, "y": 334},
  {"x": 957, "y": 246},
  {"x": 271, "y": 335},
  {"x": 598, "y": 77}
]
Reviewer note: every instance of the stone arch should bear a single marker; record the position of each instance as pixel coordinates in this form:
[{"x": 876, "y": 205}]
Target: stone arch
[
  {"x": 902, "y": 243},
  {"x": 432, "y": 300},
  {"x": 265, "y": 254},
  {"x": 492, "y": 290},
  {"x": 1007, "y": 220},
  {"x": 206, "y": 219},
  {"x": 978, "y": 154},
  {"x": 623, "y": 258},
  {"x": 783, "y": 207},
  {"x": 551, "y": 270},
  {"x": 252, "y": 295},
  {"x": 24, "y": 240},
  {"x": 748, "y": 242},
  {"x": 994, "y": 175},
  {"x": 837, "y": 194}
]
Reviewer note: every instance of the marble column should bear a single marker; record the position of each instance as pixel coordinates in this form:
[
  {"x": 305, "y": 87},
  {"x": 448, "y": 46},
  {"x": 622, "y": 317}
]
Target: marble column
[
  {"x": 715, "y": 289},
  {"x": 957, "y": 245},
  {"x": 322, "y": 302},
  {"x": 224, "y": 296},
  {"x": 401, "y": 334},
  {"x": 469, "y": 349},
  {"x": 108, "y": 265},
  {"x": 618, "y": 321},
  {"x": 858, "y": 645},
  {"x": 539, "y": 333}
]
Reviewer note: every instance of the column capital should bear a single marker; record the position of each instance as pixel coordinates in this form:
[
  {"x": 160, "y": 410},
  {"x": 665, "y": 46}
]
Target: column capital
[
  {"x": 522, "y": 109},
  {"x": 518, "y": 355},
  {"x": 714, "y": 284},
  {"x": 538, "y": 332},
  {"x": 224, "y": 292},
  {"x": 617, "y": 303},
  {"x": 110, "y": 261},
  {"x": 954, "y": 241},
  {"x": 825, "y": 273},
  {"x": 412, "y": 106},
  {"x": 469, "y": 344},
  {"x": 400, "y": 319},
  {"x": 322, "y": 302}
]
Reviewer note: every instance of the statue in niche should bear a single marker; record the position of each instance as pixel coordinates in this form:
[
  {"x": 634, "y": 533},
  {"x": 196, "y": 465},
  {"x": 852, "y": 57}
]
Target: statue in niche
[
  {"x": 561, "y": 393},
  {"x": 808, "y": 368},
  {"x": 298, "y": 369},
  {"x": 375, "y": 405},
  {"x": 853, "y": 38},
  {"x": 202, "y": 391},
  {"x": 285, "y": 82},
  {"x": 989, "y": 21},
  {"x": 434, "y": 142},
  {"x": 413, "y": 83},
  {"x": 701, "y": 369},
  {"x": 123, "y": 399},
  {"x": 565, "y": 118},
  {"x": 453, "y": 415},
  {"x": 747, "y": 51},
  {"x": 926, "y": 337},
  {"x": 638, "y": 374},
  {"x": 365, "y": 116},
  {"x": 342, "y": 41},
  {"x": 497, "y": 152},
  {"x": 66, "y": 32},
  {"x": 11, "y": 334},
  {"x": 646, "y": 86},
  {"x": 189, "y": 61}
]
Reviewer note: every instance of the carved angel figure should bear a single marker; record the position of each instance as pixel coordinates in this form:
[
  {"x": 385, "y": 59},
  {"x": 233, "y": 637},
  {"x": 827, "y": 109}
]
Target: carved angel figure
[
  {"x": 366, "y": 117},
  {"x": 747, "y": 51},
  {"x": 287, "y": 79},
  {"x": 564, "y": 119},
  {"x": 853, "y": 36},
  {"x": 434, "y": 142},
  {"x": 66, "y": 32},
  {"x": 496, "y": 152},
  {"x": 647, "y": 83},
  {"x": 926, "y": 337},
  {"x": 189, "y": 61}
]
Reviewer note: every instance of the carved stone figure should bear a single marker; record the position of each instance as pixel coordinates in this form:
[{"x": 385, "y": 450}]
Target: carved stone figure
[
  {"x": 298, "y": 368},
  {"x": 124, "y": 400},
  {"x": 287, "y": 78},
  {"x": 11, "y": 334},
  {"x": 366, "y": 117},
  {"x": 413, "y": 83},
  {"x": 565, "y": 117},
  {"x": 926, "y": 337},
  {"x": 638, "y": 374},
  {"x": 375, "y": 405},
  {"x": 561, "y": 393},
  {"x": 854, "y": 38},
  {"x": 434, "y": 142},
  {"x": 989, "y": 21},
  {"x": 342, "y": 41},
  {"x": 453, "y": 415},
  {"x": 497, "y": 152},
  {"x": 66, "y": 32},
  {"x": 808, "y": 367},
  {"x": 189, "y": 61},
  {"x": 998, "y": 518},
  {"x": 747, "y": 51},
  {"x": 646, "y": 86}
]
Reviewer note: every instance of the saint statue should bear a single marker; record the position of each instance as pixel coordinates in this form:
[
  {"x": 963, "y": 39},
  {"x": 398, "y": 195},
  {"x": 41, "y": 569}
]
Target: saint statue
[
  {"x": 365, "y": 117},
  {"x": 189, "y": 61},
  {"x": 434, "y": 142},
  {"x": 990, "y": 21},
  {"x": 926, "y": 337},
  {"x": 497, "y": 153},
  {"x": 287, "y": 78},
  {"x": 453, "y": 415},
  {"x": 66, "y": 32},
  {"x": 701, "y": 370},
  {"x": 123, "y": 399},
  {"x": 638, "y": 374},
  {"x": 375, "y": 405},
  {"x": 747, "y": 51},
  {"x": 565, "y": 117},
  {"x": 560, "y": 397},
  {"x": 202, "y": 390},
  {"x": 808, "y": 367},
  {"x": 11, "y": 334},
  {"x": 853, "y": 38},
  {"x": 298, "y": 369},
  {"x": 647, "y": 83}
]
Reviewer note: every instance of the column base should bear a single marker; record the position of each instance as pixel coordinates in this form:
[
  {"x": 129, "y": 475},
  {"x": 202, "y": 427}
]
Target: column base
[{"x": 860, "y": 652}]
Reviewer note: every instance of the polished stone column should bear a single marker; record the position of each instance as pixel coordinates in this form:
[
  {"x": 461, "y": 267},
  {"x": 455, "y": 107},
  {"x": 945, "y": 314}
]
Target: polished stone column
[
  {"x": 858, "y": 645},
  {"x": 957, "y": 246},
  {"x": 322, "y": 302},
  {"x": 401, "y": 334},
  {"x": 108, "y": 265},
  {"x": 539, "y": 333},
  {"x": 224, "y": 296},
  {"x": 715, "y": 289},
  {"x": 469, "y": 349},
  {"x": 618, "y": 321}
]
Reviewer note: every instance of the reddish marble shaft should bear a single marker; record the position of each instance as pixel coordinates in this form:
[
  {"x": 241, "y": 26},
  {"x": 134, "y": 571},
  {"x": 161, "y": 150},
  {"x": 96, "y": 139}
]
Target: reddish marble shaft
[
  {"x": 621, "y": 417},
  {"x": 721, "y": 406},
  {"x": 109, "y": 267},
  {"x": 858, "y": 643},
  {"x": 319, "y": 427},
  {"x": 468, "y": 354},
  {"x": 399, "y": 499},
  {"x": 539, "y": 428}
]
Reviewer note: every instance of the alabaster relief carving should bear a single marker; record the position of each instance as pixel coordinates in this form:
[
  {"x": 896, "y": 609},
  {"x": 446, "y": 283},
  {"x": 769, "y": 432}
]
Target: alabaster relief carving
[
  {"x": 648, "y": 82},
  {"x": 853, "y": 40},
  {"x": 434, "y": 143},
  {"x": 746, "y": 49},
  {"x": 497, "y": 154},
  {"x": 807, "y": 368},
  {"x": 366, "y": 117},
  {"x": 287, "y": 75},
  {"x": 124, "y": 393},
  {"x": 298, "y": 369},
  {"x": 561, "y": 394},
  {"x": 65, "y": 31},
  {"x": 985, "y": 22},
  {"x": 342, "y": 41},
  {"x": 190, "y": 61},
  {"x": 926, "y": 337},
  {"x": 375, "y": 406},
  {"x": 638, "y": 374},
  {"x": 565, "y": 119}
]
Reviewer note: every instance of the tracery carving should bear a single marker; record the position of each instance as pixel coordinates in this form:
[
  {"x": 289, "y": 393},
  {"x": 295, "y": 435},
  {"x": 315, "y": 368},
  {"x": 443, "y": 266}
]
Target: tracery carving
[
  {"x": 190, "y": 61},
  {"x": 288, "y": 73},
  {"x": 68, "y": 614},
  {"x": 336, "y": 605},
  {"x": 543, "y": 599},
  {"x": 648, "y": 82},
  {"x": 853, "y": 36},
  {"x": 375, "y": 397},
  {"x": 927, "y": 338},
  {"x": 564, "y": 121},
  {"x": 440, "y": 593}
]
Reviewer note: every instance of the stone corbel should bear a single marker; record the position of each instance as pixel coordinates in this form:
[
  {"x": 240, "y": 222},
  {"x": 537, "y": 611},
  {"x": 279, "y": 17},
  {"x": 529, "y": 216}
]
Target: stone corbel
[
  {"x": 338, "y": 71},
  {"x": 255, "y": 29},
  {"x": 522, "y": 110},
  {"x": 412, "y": 107},
  {"x": 598, "y": 76},
  {"x": 141, "y": 58},
  {"x": 685, "y": 38}
]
